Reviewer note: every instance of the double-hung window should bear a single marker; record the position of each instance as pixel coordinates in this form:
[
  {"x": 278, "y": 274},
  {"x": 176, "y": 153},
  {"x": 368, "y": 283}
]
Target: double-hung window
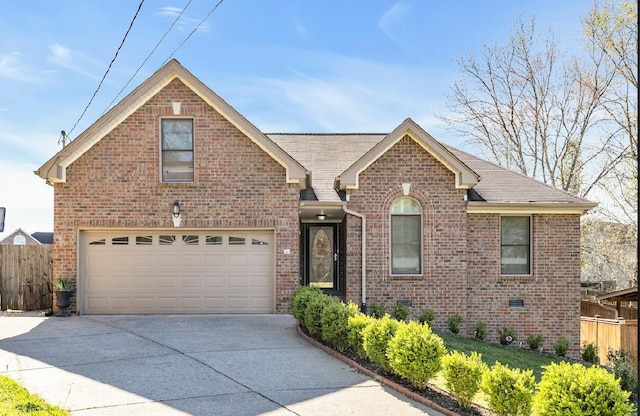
[
  {"x": 406, "y": 237},
  {"x": 515, "y": 245},
  {"x": 177, "y": 149}
]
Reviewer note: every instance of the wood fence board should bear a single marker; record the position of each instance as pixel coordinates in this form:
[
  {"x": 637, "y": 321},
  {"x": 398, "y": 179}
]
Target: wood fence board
[
  {"x": 610, "y": 334},
  {"x": 25, "y": 277}
]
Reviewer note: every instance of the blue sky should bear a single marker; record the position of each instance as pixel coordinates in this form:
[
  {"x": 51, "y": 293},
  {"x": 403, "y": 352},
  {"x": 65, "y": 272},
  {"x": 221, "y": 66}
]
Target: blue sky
[{"x": 286, "y": 65}]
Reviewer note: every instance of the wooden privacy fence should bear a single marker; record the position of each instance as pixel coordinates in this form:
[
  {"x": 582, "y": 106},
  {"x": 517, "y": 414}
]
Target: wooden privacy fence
[
  {"x": 26, "y": 277},
  {"x": 610, "y": 334}
]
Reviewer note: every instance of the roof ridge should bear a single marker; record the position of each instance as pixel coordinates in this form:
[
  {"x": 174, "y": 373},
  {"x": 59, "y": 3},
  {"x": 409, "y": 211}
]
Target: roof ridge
[{"x": 327, "y": 134}]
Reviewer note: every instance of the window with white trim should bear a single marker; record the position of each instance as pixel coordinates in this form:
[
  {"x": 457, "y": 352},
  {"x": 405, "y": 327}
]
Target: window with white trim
[
  {"x": 406, "y": 237},
  {"x": 515, "y": 245},
  {"x": 177, "y": 149}
]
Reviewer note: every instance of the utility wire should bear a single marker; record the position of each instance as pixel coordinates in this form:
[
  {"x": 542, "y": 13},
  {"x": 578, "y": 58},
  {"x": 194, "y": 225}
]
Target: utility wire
[
  {"x": 149, "y": 56},
  {"x": 194, "y": 30},
  {"x": 108, "y": 69}
]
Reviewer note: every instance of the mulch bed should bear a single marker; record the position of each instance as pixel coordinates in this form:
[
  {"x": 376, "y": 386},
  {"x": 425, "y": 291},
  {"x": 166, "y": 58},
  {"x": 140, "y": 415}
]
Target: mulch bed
[{"x": 431, "y": 396}]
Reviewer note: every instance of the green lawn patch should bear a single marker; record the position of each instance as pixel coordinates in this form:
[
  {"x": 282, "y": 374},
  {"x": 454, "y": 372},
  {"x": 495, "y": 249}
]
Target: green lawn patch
[{"x": 16, "y": 400}]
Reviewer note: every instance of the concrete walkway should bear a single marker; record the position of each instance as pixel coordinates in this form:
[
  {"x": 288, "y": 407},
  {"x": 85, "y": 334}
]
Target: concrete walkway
[{"x": 186, "y": 365}]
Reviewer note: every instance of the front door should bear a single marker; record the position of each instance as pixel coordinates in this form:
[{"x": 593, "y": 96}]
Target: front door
[{"x": 322, "y": 257}]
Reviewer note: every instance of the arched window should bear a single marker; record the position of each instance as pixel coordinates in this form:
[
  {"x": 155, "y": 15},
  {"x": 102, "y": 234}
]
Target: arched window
[
  {"x": 19, "y": 240},
  {"x": 406, "y": 236}
]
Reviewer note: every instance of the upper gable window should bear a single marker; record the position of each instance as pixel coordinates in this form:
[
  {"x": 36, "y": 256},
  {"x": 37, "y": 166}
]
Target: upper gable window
[
  {"x": 515, "y": 245},
  {"x": 406, "y": 237},
  {"x": 177, "y": 150}
]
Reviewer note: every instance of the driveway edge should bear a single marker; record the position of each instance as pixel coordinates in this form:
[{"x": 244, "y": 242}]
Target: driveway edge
[{"x": 362, "y": 370}]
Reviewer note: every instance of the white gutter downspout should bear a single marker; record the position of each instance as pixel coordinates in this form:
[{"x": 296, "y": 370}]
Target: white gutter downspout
[{"x": 363, "y": 306}]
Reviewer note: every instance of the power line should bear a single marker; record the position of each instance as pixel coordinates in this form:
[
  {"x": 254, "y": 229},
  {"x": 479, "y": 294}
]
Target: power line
[
  {"x": 149, "y": 56},
  {"x": 108, "y": 69},
  {"x": 194, "y": 30}
]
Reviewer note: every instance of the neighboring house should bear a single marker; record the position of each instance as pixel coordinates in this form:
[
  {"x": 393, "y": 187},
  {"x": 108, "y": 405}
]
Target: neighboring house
[
  {"x": 19, "y": 238},
  {"x": 173, "y": 202},
  {"x": 43, "y": 237}
]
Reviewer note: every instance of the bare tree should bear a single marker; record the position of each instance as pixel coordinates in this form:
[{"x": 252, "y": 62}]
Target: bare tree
[{"x": 537, "y": 113}]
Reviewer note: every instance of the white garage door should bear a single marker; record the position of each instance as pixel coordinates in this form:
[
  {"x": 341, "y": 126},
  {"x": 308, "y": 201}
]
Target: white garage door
[{"x": 177, "y": 272}]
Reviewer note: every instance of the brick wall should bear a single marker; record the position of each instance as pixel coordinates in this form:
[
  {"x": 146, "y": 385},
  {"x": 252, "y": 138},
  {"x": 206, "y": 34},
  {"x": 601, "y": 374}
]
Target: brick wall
[{"x": 237, "y": 185}]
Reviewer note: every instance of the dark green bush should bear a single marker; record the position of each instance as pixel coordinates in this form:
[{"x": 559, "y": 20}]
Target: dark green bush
[
  {"x": 480, "y": 331},
  {"x": 300, "y": 299},
  {"x": 313, "y": 314},
  {"x": 589, "y": 353},
  {"x": 376, "y": 337},
  {"x": 415, "y": 352},
  {"x": 561, "y": 347},
  {"x": 535, "y": 342},
  {"x": 335, "y": 325},
  {"x": 507, "y": 335},
  {"x": 377, "y": 310},
  {"x": 357, "y": 324},
  {"x": 620, "y": 364},
  {"x": 573, "y": 389},
  {"x": 427, "y": 316},
  {"x": 509, "y": 390},
  {"x": 462, "y": 375},
  {"x": 400, "y": 312},
  {"x": 454, "y": 321}
]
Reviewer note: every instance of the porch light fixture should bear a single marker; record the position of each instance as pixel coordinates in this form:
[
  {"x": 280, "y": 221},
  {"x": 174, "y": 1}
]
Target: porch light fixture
[
  {"x": 321, "y": 216},
  {"x": 175, "y": 213}
]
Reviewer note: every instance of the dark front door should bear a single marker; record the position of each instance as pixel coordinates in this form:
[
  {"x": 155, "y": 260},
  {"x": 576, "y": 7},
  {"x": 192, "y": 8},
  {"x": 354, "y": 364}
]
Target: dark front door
[{"x": 322, "y": 257}]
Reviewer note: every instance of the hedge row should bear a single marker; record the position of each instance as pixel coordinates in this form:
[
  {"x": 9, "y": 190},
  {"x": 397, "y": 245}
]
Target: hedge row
[{"x": 414, "y": 352}]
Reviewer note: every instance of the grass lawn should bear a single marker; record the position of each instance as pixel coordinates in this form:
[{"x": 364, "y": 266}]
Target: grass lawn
[{"x": 16, "y": 400}]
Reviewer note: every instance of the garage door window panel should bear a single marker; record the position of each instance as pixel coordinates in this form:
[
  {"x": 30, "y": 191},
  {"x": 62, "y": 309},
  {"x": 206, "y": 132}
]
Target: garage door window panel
[{"x": 177, "y": 150}]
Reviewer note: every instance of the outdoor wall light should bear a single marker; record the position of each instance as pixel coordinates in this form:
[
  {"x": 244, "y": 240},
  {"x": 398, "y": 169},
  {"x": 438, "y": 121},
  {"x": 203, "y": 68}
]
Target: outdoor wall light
[
  {"x": 321, "y": 216},
  {"x": 175, "y": 213}
]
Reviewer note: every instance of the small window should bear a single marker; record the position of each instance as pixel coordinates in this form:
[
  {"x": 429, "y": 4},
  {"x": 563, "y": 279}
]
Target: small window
[
  {"x": 214, "y": 240},
  {"x": 120, "y": 241},
  {"x": 177, "y": 150},
  {"x": 236, "y": 241},
  {"x": 190, "y": 240},
  {"x": 100, "y": 242},
  {"x": 144, "y": 240},
  {"x": 19, "y": 240},
  {"x": 406, "y": 237},
  {"x": 167, "y": 240},
  {"x": 258, "y": 242},
  {"x": 515, "y": 245}
]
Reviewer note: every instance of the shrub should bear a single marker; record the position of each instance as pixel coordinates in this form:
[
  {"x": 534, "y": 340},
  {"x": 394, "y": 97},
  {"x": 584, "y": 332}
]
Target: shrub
[
  {"x": 621, "y": 366},
  {"x": 535, "y": 342},
  {"x": 507, "y": 335},
  {"x": 561, "y": 347},
  {"x": 357, "y": 323},
  {"x": 480, "y": 331},
  {"x": 376, "y": 337},
  {"x": 313, "y": 314},
  {"x": 589, "y": 352},
  {"x": 415, "y": 353},
  {"x": 427, "y": 316},
  {"x": 509, "y": 390},
  {"x": 300, "y": 299},
  {"x": 400, "y": 312},
  {"x": 377, "y": 310},
  {"x": 462, "y": 374},
  {"x": 573, "y": 389},
  {"x": 454, "y": 321},
  {"x": 335, "y": 325}
]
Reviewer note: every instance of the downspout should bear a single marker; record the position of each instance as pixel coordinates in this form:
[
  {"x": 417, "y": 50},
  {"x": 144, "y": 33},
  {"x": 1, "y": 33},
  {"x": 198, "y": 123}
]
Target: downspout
[
  {"x": 363, "y": 306},
  {"x": 612, "y": 309}
]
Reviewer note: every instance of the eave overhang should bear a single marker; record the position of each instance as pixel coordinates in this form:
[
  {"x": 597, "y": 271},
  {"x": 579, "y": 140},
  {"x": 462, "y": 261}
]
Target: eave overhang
[{"x": 521, "y": 208}]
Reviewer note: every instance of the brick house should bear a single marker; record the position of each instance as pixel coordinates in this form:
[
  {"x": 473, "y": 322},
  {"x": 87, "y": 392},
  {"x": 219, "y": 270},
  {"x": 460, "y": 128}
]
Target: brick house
[{"x": 173, "y": 202}]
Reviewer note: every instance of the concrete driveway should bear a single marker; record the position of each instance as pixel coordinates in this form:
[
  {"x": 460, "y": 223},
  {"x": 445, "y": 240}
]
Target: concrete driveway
[{"x": 186, "y": 364}]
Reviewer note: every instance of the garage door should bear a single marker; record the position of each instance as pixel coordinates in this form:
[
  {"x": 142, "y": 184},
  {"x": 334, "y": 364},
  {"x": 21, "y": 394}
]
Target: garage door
[{"x": 177, "y": 272}]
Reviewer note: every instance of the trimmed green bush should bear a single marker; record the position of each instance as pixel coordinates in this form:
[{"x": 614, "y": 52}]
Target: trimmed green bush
[
  {"x": 313, "y": 314},
  {"x": 535, "y": 342},
  {"x": 621, "y": 366},
  {"x": 462, "y": 375},
  {"x": 377, "y": 310},
  {"x": 427, "y": 316},
  {"x": 573, "y": 389},
  {"x": 454, "y": 321},
  {"x": 415, "y": 353},
  {"x": 480, "y": 331},
  {"x": 335, "y": 325},
  {"x": 376, "y": 337},
  {"x": 509, "y": 390},
  {"x": 400, "y": 312},
  {"x": 300, "y": 299},
  {"x": 507, "y": 335},
  {"x": 357, "y": 323},
  {"x": 589, "y": 352},
  {"x": 561, "y": 347}
]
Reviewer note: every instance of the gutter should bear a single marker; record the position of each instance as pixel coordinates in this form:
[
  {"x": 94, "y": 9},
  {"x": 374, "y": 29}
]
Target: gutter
[{"x": 363, "y": 306}]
